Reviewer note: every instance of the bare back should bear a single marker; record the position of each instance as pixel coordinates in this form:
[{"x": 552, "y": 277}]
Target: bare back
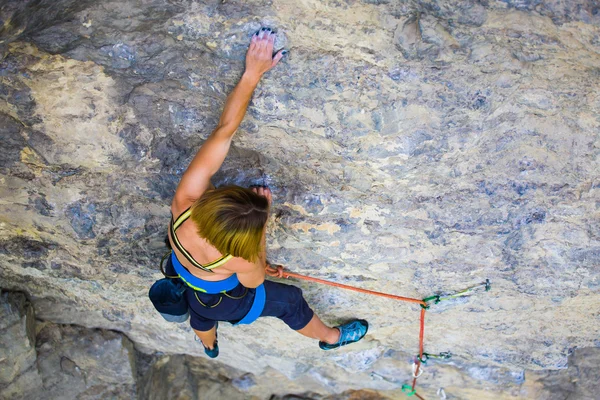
[{"x": 201, "y": 251}]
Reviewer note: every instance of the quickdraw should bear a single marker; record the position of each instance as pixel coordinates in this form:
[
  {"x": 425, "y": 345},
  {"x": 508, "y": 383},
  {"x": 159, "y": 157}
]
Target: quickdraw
[
  {"x": 465, "y": 292},
  {"x": 446, "y": 355},
  {"x": 407, "y": 389}
]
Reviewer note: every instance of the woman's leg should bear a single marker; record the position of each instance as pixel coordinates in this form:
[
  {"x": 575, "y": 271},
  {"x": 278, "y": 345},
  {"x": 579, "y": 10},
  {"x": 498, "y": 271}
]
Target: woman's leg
[
  {"x": 208, "y": 338},
  {"x": 287, "y": 303},
  {"x": 316, "y": 329}
]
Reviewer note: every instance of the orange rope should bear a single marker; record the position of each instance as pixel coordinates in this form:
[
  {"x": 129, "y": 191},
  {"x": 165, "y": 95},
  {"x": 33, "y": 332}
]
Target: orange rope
[
  {"x": 279, "y": 272},
  {"x": 421, "y": 339}
]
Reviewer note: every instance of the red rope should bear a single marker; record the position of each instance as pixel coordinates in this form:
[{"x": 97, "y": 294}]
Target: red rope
[
  {"x": 279, "y": 272},
  {"x": 421, "y": 339}
]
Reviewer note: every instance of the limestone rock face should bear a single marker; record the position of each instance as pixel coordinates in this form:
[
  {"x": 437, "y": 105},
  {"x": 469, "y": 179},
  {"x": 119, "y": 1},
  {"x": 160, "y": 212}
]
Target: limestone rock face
[
  {"x": 18, "y": 375},
  {"x": 87, "y": 364},
  {"x": 185, "y": 377},
  {"x": 50, "y": 361},
  {"x": 414, "y": 147}
]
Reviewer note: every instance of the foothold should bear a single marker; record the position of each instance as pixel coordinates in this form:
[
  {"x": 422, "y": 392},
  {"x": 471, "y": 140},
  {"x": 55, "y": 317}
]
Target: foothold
[
  {"x": 69, "y": 367},
  {"x": 244, "y": 382}
]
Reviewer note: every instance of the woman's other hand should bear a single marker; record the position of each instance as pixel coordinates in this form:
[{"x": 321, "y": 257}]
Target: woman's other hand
[
  {"x": 263, "y": 191},
  {"x": 259, "y": 58}
]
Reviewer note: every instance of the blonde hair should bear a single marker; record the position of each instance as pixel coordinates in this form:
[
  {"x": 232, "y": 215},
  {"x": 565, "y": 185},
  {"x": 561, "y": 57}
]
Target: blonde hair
[{"x": 232, "y": 220}]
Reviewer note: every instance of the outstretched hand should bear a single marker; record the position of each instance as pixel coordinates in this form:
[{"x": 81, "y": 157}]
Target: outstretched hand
[
  {"x": 259, "y": 58},
  {"x": 263, "y": 191}
]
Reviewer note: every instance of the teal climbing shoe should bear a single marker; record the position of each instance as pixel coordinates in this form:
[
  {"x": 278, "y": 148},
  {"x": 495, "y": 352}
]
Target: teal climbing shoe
[
  {"x": 214, "y": 352},
  {"x": 349, "y": 333}
]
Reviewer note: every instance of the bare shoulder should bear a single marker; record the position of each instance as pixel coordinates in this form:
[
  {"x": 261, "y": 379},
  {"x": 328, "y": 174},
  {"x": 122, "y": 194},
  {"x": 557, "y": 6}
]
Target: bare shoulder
[
  {"x": 178, "y": 206},
  {"x": 240, "y": 265},
  {"x": 251, "y": 275},
  {"x": 181, "y": 202}
]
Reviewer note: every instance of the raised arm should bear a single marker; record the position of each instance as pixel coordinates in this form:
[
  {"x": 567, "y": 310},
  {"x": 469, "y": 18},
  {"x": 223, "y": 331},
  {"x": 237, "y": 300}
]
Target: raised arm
[{"x": 196, "y": 179}]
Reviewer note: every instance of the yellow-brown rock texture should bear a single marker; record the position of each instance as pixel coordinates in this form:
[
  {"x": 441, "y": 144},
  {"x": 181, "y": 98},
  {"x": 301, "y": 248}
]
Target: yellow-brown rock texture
[{"x": 413, "y": 147}]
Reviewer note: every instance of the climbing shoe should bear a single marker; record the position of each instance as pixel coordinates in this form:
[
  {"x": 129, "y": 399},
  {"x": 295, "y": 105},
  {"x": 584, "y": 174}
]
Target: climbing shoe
[
  {"x": 349, "y": 333},
  {"x": 215, "y": 350}
]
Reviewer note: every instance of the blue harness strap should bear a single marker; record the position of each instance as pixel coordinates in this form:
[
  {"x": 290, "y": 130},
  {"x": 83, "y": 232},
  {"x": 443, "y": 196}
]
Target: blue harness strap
[
  {"x": 217, "y": 287},
  {"x": 200, "y": 284},
  {"x": 257, "y": 307}
]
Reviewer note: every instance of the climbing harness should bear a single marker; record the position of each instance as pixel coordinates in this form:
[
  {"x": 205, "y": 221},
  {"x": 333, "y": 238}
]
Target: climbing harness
[
  {"x": 200, "y": 285},
  {"x": 167, "y": 294},
  {"x": 220, "y": 287},
  {"x": 422, "y": 357}
]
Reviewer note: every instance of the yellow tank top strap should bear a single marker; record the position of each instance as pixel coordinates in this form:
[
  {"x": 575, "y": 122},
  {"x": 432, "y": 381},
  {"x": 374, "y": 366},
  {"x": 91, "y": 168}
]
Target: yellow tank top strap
[{"x": 206, "y": 267}]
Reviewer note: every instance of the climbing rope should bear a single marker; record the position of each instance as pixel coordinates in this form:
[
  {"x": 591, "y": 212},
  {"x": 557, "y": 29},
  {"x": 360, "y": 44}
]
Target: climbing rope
[{"x": 279, "y": 272}]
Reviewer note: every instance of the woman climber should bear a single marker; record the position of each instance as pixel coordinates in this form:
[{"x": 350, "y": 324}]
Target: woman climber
[{"x": 218, "y": 235}]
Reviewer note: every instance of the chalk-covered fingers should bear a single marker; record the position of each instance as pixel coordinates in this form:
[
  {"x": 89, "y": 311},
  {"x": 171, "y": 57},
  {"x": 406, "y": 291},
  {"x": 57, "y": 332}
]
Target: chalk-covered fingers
[
  {"x": 266, "y": 39},
  {"x": 259, "y": 58},
  {"x": 253, "y": 42},
  {"x": 264, "y": 191},
  {"x": 278, "y": 57},
  {"x": 258, "y": 41},
  {"x": 269, "y": 44}
]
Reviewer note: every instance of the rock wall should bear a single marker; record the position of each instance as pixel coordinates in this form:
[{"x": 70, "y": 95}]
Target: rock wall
[
  {"x": 17, "y": 349},
  {"x": 413, "y": 147},
  {"x": 61, "y": 361},
  {"x": 42, "y": 359}
]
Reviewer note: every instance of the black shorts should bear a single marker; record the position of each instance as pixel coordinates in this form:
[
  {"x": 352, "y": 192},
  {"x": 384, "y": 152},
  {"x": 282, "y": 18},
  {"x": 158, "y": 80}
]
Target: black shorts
[{"x": 283, "y": 301}]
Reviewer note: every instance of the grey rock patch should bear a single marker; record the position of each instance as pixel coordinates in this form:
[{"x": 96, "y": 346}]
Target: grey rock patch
[
  {"x": 17, "y": 349},
  {"x": 244, "y": 382},
  {"x": 11, "y": 141},
  {"x": 76, "y": 362},
  {"x": 82, "y": 219}
]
